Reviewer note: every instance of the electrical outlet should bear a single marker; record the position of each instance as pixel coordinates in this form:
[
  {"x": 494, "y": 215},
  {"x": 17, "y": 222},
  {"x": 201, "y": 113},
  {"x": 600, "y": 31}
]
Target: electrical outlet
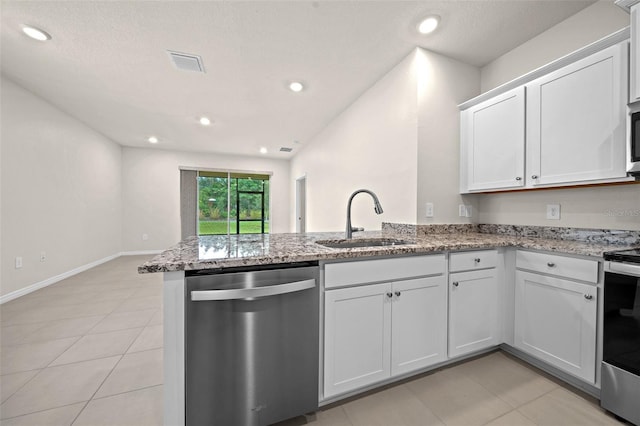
[
  {"x": 429, "y": 209},
  {"x": 553, "y": 211},
  {"x": 43, "y": 256},
  {"x": 462, "y": 210},
  {"x": 18, "y": 262},
  {"x": 145, "y": 237},
  {"x": 469, "y": 210}
]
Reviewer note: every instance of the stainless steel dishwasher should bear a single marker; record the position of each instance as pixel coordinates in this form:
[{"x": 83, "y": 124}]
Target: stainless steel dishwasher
[{"x": 251, "y": 345}]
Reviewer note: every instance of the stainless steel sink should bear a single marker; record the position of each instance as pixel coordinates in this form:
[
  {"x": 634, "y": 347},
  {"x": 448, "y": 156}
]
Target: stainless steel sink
[{"x": 362, "y": 242}]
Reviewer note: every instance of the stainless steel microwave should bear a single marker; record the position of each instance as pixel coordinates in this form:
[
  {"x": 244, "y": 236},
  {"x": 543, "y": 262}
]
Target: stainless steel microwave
[{"x": 634, "y": 153}]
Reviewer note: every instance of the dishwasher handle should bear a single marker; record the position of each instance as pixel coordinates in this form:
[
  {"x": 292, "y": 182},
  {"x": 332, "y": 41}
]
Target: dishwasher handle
[{"x": 249, "y": 293}]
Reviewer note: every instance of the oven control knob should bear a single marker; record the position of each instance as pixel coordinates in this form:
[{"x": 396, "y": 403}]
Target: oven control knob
[{"x": 588, "y": 296}]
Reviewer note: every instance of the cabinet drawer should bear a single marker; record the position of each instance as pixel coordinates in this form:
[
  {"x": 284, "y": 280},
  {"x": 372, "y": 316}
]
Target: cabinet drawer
[
  {"x": 377, "y": 270},
  {"x": 566, "y": 267},
  {"x": 471, "y": 260}
]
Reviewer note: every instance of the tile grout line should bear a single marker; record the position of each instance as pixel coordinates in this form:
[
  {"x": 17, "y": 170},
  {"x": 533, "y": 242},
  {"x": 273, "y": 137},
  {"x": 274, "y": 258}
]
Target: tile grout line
[
  {"x": 58, "y": 313},
  {"x": 24, "y": 384},
  {"x": 120, "y": 329},
  {"x": 97, "y": 389},
  {"x": 116, "y": 364},
  {"x": 125, "y": 392},
  {"x": 422, "y": 402},
  {"x": 41, "y": 411},
  {"x": 107, "y": 377}
]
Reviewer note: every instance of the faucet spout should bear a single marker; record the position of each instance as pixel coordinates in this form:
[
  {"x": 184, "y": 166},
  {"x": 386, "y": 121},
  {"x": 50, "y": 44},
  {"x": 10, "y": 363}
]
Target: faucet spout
[{"x": 376, "y": 207}]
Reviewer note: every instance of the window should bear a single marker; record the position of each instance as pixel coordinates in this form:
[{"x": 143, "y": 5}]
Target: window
[{"x": 232, "y": 203}]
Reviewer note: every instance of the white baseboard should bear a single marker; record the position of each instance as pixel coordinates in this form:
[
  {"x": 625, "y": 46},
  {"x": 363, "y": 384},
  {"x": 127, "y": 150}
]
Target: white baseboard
[
  {"x": 33, "y": 287},
  {"x": 60, "y": 277},
  {"x": 140, "y": 252}
]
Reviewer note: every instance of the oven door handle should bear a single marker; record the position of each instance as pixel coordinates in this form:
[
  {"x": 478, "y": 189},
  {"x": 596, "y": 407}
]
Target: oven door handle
[{"x": 624, "y": 268}]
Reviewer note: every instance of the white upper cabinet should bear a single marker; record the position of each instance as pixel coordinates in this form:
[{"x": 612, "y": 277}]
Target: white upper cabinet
[
  {"x": 635, "y": 53},
  {"x": 568, "y": 119},
  {"x": 493, "y": 143},
  {"x": 576, "y": 121}
]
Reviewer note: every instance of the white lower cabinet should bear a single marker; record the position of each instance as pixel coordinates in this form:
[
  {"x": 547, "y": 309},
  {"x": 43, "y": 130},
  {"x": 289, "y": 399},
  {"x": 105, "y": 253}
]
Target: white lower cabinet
[
  {"x": 357, "y": 347},
  {"x": 376, "y": 331},
  {"x": 418, "y": 324},
  {"x": 555, "y": 321},
  {"x": 473, "y": 311}
]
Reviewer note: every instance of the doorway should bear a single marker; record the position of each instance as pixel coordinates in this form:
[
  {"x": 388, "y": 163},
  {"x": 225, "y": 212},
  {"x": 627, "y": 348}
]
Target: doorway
[
  {"x": 232, "y": 203},
  {"x": 301, "y": 204}
]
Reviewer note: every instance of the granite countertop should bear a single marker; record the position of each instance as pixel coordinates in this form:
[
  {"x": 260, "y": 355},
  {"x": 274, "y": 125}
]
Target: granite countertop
[{"x": 222, "y": 251}]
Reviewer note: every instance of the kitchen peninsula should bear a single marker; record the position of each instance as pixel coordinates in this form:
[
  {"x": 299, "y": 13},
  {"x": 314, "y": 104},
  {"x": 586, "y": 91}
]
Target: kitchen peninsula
[
  {"x": 440, "y": 263},
  {"x": 219, "y": 252}
]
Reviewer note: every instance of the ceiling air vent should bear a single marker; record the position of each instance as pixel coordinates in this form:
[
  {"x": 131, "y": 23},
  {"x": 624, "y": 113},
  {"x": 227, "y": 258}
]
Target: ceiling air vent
[
  {"x": 186, "y": 61},
  {"x": 286, "y": 149}
]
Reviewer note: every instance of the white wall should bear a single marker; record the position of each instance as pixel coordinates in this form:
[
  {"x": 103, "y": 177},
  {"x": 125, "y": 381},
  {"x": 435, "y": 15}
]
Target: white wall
[
  {"x": 372, "y": 145},
  {"x": 589, "y": 25},
  {"x": 151, "y": 192},
  {"x": 616, "y": 207},
  {"x": 606, "y": 207},
  {"x": 443, "y": 83},
  {"x": 61, "y": 191}
]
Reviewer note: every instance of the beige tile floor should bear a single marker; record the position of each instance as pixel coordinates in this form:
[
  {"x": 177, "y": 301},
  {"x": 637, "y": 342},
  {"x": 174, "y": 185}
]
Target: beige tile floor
[{"x": 88, "y": 351}]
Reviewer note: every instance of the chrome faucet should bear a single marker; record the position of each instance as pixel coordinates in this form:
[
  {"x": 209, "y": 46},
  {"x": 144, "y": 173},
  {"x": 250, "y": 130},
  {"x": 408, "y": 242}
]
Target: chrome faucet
[{"x": 377, "y": 208}]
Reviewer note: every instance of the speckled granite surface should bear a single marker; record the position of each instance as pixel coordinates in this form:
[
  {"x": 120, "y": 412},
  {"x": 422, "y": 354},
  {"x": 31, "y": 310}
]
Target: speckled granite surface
[
  {"x": 607, "y": 236},
  {"x": 218, "y": 252}
]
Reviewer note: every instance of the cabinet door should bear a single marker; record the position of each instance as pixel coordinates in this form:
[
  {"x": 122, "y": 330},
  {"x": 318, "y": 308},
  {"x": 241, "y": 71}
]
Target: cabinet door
[
  {"x": 555, "y": 320},
  {"x": 473, "y": 311},
  {"x": 419, "y": 324},
  {"x": 576, "y": 121},
  {"x": 635, "y": 54},
  {"x": 492, "y": 147},
  {"x": 357, "y": 344}
]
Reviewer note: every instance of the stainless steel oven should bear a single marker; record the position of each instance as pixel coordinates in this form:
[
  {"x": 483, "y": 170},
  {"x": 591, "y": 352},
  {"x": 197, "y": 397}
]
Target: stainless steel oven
[{"x": 620, "y": 391}]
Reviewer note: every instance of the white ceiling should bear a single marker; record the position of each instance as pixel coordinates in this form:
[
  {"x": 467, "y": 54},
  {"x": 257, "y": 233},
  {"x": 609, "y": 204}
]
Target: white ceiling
[{"x": 107, "y": 63}]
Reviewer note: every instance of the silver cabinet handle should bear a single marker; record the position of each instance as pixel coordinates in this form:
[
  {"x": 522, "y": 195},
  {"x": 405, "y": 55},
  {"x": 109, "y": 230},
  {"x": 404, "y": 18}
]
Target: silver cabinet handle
[
  {"x": 588, "y": 296},
  {"x": 389, "y": 295},
  {"x": 246, "y": 293},
  {"x": 518, "y": 178},
  {"x": 551, "y": 264},
  {"x": 534, "y": 176},
  {"x": 398, "y": 293},
  {"x": 456, "y": 284}
]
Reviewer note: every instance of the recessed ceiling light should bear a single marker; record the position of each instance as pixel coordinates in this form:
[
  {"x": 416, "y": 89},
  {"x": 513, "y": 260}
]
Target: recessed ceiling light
[
  {"x": 36, "y": 33},
  {"x": 152, "y": 139},
  {"x": 428, "y": 24},
  {"x": 296, "y": 86},
  {"x": 204, "y": 121},
  {"x": 263, "y": 150}
]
